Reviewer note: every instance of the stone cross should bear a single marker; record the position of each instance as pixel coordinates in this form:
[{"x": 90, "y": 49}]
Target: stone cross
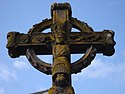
[{"x": 61, "y": 42}]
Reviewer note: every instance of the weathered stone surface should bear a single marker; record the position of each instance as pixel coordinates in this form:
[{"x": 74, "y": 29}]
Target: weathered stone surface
[{"x": 61, "y": 42}]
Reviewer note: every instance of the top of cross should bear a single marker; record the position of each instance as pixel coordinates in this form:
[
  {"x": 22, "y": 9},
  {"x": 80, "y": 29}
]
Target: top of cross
[
  {"x": 78, "y": 42},
  {"x": 61, "y": 42}
]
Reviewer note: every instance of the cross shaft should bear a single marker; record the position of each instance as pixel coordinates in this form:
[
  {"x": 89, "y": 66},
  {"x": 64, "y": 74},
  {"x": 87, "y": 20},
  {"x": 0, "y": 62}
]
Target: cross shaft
[{"x": 61, "y": 43}]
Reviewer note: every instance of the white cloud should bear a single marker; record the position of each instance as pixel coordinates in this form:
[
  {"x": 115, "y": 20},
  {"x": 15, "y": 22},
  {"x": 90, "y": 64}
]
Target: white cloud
[
  {"x": 6, "y": 73},
  {"x": 98, "y": 69},
  {"x": 123, "y": 53},
  {"x": 106, "y": 70},
  {"x": 20, "y": 64},
  {"x": 2, "y": 91}
]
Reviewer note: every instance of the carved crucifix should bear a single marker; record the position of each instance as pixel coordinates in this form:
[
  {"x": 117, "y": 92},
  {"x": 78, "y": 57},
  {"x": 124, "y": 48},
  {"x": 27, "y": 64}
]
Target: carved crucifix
[{"x": 61, "y": 43}]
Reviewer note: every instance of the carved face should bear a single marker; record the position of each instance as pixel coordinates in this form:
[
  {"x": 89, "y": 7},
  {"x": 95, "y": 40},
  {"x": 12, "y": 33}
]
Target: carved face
[
  {"x": 59, "y": 33},
  {"x": 59, "y": 36},
  {"x": 60, "y": 80}
]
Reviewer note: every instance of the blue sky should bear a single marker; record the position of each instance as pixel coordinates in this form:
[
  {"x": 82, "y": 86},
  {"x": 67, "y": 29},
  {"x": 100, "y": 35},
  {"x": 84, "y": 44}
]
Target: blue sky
[{"x": 106, "y": 75}]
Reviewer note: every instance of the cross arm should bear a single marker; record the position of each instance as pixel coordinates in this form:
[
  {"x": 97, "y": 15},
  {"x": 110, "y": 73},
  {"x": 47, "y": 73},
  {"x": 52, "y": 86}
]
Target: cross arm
[
  {"x": 18, "y": 43},
  {"x": 79, "y": 42},
  {"x": 103, "y": 41}
]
